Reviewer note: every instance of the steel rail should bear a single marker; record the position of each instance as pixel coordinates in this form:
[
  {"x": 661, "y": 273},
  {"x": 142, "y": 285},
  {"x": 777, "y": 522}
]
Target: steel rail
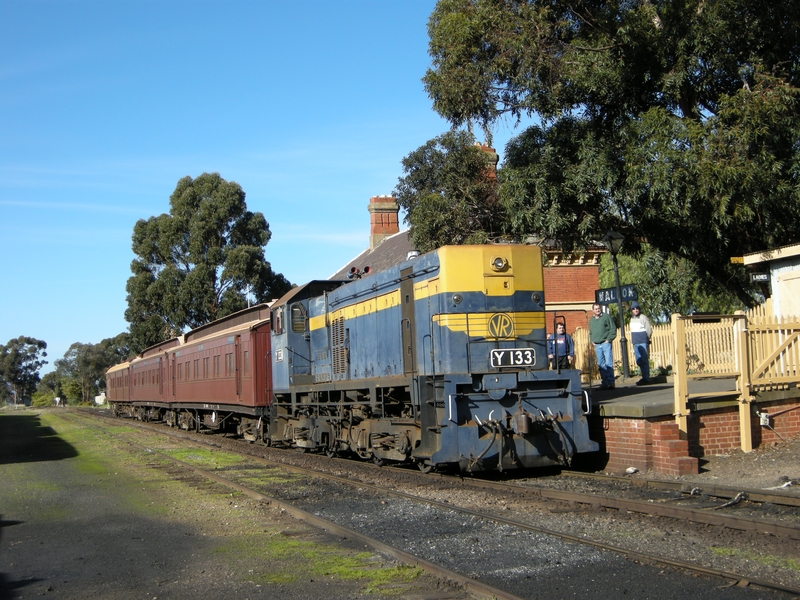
[
  {"x": 704, "y": 516},
  {"x": 716, "y": 491}
]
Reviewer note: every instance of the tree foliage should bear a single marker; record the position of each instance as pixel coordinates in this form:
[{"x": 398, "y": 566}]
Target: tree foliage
[
  {"x": 80, "y": 374},
  {"x": 674, "y": 122},
  {"x": 199, "y": 262},
  {"x": 666, "y": 284},
  {"x": 49, "y": 387},
  {"x": 20, "y": 361},
  {"x": 449, "y": 192}
]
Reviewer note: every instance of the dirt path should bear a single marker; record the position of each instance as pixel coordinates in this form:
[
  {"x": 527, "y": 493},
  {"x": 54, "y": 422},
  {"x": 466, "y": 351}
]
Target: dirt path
[{"x": 81, "y": 517}]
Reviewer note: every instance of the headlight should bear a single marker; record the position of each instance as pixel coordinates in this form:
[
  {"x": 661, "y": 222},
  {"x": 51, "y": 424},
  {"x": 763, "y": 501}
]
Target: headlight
[{"x": 499, "y": 263}]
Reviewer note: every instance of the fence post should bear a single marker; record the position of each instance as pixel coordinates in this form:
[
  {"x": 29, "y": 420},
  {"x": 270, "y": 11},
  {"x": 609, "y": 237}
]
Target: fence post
[
  {"x": 742, "y": 342},
  {"x": 680, "y": 387}
]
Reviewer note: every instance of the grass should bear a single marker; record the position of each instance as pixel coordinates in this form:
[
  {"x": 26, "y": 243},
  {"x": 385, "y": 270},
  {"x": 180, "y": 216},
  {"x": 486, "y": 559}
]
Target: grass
[
  {"x": 205, "y": 459},
  {"x": 788, "y": 564},
  {"x": 321, "y": 560}
]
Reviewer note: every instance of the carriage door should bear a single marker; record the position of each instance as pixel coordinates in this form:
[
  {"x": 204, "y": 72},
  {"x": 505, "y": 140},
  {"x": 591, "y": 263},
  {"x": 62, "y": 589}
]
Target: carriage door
[
  {"x": 407, "y": 323},
  {"x": 238, "y": 366},
  {"x": 172, "y": 374}
]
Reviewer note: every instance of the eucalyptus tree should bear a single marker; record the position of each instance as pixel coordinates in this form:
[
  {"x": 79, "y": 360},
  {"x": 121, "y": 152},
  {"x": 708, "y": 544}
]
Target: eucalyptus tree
[
  {"x": 199, "y": 262},
  {"x": 449, "y": 192},
  {"x": 82, "y": 369},
  {"x": 672, "y": 121},
  {"x": 20, "y": 361}
]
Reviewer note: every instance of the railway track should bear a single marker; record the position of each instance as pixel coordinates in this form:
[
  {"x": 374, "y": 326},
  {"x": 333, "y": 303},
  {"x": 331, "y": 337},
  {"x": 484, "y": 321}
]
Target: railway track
[
  {"x": 703, "y": 511},
  {"x": 418, "y": 488},
  {"x": 779, "y": 498}
]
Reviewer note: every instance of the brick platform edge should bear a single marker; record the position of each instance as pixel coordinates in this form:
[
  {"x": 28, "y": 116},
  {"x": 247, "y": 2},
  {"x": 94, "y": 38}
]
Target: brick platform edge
[
  {"x": 717, "y": 431},
  {"x": 647, "y": 444},
  {"x": 654, "y": 443}
]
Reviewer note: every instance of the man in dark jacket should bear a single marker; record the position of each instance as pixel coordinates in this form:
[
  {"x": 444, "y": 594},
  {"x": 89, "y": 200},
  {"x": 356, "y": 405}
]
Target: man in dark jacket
[{"x": 602, "y": 331}]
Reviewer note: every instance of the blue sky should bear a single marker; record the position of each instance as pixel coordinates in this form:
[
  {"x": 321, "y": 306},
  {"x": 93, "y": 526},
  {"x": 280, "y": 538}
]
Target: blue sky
[{"x": 104, "y": 106}]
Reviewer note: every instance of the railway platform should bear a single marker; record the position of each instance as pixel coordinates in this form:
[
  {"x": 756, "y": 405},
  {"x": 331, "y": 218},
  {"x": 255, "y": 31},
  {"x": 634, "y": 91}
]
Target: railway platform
[{"x": 636, "y": 425}]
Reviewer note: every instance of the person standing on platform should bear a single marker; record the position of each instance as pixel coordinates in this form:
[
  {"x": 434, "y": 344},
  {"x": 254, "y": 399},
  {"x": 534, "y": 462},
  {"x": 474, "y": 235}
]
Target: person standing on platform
[
  {"x": 560, "y": 344},
  {"x": 641, "y": 332},
  {"x": 602, "y": 331}
]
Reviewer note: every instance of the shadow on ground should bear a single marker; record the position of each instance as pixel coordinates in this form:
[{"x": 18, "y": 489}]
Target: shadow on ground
[{"x": 23, "y": 438}]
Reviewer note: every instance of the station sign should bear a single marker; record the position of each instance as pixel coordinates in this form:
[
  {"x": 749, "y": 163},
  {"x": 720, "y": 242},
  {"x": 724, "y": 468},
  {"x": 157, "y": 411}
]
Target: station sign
[
  {"x": 608, "y": 296},
  {"x": 759, "y": 277}
]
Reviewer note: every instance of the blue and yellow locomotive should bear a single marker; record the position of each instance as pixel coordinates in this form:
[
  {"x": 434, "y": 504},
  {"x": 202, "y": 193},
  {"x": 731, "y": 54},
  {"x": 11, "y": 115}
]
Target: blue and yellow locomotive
[{"x": 440, "y": 360}]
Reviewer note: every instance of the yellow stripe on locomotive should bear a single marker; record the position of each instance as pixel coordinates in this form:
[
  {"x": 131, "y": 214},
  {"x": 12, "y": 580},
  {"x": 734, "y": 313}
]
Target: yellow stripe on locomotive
[{"x": 494, "y": 325}]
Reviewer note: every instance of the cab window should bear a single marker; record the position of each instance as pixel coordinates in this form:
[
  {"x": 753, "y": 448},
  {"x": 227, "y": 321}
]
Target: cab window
[{"x": 298, "y": 318}]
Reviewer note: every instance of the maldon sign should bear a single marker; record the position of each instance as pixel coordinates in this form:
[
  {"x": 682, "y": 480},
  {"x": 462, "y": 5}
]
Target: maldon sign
[{"x": 609, "y": 295}]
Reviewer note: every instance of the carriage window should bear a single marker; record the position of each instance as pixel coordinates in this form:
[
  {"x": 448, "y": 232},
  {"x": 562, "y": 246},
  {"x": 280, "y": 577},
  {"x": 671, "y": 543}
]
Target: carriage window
[
  {"x": 298, "y": 318},
  {"x": 246, "y": 357}
]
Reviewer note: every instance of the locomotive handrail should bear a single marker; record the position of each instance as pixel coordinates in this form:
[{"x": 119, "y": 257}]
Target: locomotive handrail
[
  {"x": 413, "y": 370},
  {"x": 588, "y": 409},
  {"x": 469, "y": 344}
]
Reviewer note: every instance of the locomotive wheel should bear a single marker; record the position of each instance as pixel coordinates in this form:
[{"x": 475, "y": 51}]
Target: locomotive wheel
[{"x": 423, "y": 467}]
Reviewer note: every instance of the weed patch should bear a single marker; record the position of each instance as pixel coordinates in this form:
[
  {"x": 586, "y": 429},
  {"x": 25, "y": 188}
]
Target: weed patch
[
  {"x": 291, "y": 560},
  {"x": 789, "y": 564},
  {"x": 206, "y": 459}
]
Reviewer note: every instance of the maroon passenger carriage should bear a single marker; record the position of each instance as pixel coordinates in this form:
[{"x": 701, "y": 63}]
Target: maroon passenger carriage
[{"x": 216, "y": 377}]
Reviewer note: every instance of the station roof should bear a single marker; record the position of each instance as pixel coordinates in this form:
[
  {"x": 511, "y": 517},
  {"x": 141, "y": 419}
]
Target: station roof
[{"x": 783, "y": 252}]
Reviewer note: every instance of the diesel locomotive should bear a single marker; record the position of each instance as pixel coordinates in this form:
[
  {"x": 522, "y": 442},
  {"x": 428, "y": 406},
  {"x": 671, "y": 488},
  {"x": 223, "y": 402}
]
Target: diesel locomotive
[{"x": 439, "y": 360}]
